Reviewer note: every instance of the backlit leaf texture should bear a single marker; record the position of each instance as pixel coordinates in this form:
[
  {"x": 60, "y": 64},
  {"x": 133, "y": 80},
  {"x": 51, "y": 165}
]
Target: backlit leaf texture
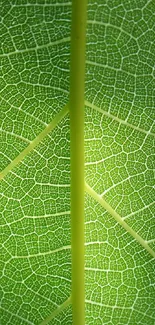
[{"x": 35, "y": 235}]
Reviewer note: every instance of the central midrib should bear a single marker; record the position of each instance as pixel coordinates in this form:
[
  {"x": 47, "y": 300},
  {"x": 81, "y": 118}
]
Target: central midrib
[{"x": 51, "y": 126}]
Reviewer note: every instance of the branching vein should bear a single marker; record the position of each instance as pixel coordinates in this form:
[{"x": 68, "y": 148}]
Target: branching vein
[
  {"x": 119, "y": 219},
  {"x": 35, "y": 142},
  {"x": 57, "y": 311},
  {"x": 87, "y": 103}
]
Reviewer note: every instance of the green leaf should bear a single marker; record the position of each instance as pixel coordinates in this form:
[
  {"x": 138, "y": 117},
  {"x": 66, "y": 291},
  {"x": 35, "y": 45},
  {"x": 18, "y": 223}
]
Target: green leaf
[{"x": 35, "y": 233}]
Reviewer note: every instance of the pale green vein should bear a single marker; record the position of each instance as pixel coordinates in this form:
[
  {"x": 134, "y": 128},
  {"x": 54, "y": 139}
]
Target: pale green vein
[
  {"x": 49, "y": 87},
  {"x": 68, "y": 247},
  {"x": 101, "y": 65},
  {"x": 15, "y": 135},
  {"x": 38, "y": 47},
  {"x": 150, "y": 241},
  {"x": 51, "y": 215},
  {"x": 35, "y": 142},
  {"x": 118, "y": 218},
  {"x": 107, "y": 270},
  {"x": 114, "y": 307},
  {"x": 58, "y": 214},
  {"x": 106, "y": 305},
  {"x": 53, "y": 185},
  {"x": 100, "y": 23},
  {"x": 87, "y": 103},
  {"x": 57, "y": 311},
  {"x": 139, "y": 210},
  {"x": 45, "y": 5}
]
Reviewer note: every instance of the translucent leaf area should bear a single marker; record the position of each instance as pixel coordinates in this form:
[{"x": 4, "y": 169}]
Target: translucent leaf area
[{"x": 35, "y": 235}]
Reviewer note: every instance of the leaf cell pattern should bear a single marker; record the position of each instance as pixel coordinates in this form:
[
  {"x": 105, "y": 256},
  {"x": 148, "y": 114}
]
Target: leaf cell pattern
[{"x": 35, "y": 263}]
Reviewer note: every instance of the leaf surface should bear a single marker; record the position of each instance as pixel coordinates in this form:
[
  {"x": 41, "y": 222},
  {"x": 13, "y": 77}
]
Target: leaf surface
[{"x": 35, "y": 267}]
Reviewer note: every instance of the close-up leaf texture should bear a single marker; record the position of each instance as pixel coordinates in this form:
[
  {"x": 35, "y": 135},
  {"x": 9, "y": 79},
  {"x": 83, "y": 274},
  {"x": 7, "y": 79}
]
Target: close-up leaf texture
[{"x": 35, "y": 230}]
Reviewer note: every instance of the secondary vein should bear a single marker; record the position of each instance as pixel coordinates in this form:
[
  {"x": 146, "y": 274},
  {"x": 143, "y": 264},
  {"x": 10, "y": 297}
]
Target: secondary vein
[
  {"x": 119, "y": 219},
  {"x": 35, "y": 142},
  {"x": 57, "y": 311},
  {"x": 87, "y": 103}
]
